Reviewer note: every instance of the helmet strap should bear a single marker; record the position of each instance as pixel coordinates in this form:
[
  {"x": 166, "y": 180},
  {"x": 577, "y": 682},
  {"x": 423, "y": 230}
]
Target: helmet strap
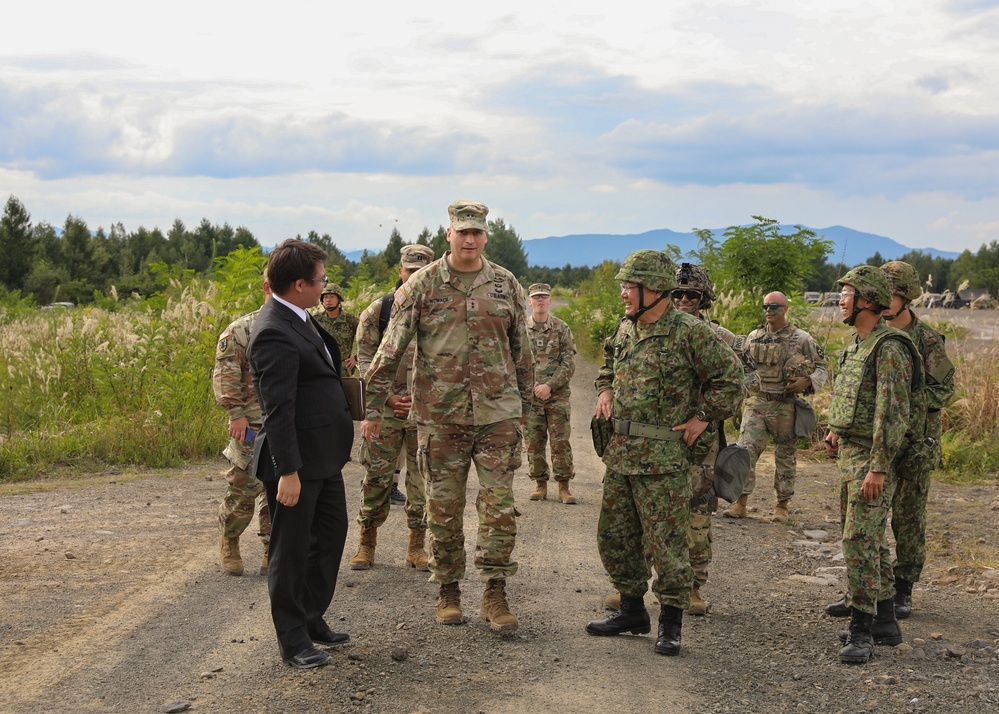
[
  {"x": 642, "y": 307},
  {"x": 905, "y": 306}
]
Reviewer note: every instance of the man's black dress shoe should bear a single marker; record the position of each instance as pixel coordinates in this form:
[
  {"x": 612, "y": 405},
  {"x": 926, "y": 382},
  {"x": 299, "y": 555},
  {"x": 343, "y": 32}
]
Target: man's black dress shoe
[
  {"x": 308, "y": 658},
  {"x": 330, "y": 638}
]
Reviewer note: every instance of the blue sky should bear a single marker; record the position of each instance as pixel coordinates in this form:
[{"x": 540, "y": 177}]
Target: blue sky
[{"x": 881, "y": 115}]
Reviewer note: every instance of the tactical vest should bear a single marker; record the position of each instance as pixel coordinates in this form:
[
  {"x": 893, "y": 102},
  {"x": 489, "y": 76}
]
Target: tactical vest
[
  {"x": 769, "y": 351},
  {"x": 852, "y": 409}
]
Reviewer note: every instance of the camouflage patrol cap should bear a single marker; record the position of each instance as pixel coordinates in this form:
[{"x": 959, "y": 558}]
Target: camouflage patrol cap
[
  {"x": 798, "y": 365},
  {"x": 651, "y": 268},
  {"x": 468, "y": 215},
  {"x": 539, "y": 289},
  {"x": 415, "y": 257},
  {"x": 332, "y": 289},
  {"x": 870, "y": 283},
  {"x": 904, "y": 279}
]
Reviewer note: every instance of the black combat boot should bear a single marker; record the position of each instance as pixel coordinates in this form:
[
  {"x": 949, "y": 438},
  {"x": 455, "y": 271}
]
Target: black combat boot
[
  {"x": 838, "y": 608},
  {"x": 670, "y": 623},
  {"x": 631, "y": 617},
  {"x": 860, "y": 642},
  {"x": 903, "y": 598},
  {"x": 885, "y": 629}
]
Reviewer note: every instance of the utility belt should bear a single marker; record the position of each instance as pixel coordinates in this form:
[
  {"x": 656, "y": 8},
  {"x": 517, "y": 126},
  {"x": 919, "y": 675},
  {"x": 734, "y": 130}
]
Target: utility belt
[
  {"x": 649, "y": 431},
  {"x": 768, "y": 397}
]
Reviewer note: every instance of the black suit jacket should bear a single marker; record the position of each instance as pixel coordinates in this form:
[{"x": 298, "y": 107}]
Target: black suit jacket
[{"x": 307, "y": 425}]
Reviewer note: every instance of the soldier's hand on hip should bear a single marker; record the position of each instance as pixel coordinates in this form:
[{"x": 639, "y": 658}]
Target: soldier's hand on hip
[{"x": 692, "y": 428}]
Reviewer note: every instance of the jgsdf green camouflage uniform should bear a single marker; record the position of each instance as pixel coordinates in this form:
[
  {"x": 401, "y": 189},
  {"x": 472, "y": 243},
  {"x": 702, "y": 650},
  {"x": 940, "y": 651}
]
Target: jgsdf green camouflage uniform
[
  {"x": 661, "y": 374},
  {"x": 233, "y": 389},
  {"x": 870, "y": 413},
  {"x": 343, "y": 327},
  {"x": 472, "y": 383},
  {"x": 908, "y": 521},
  {"x": 770, "y": 410},
  {"x": 553, "y": 348}
]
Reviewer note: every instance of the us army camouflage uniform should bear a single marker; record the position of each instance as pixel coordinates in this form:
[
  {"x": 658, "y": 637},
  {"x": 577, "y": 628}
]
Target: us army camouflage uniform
[
  {"x": 553, "y": 349},
  {"x": 908, "y": 521},
  {"x": 233, "y": 389},
  {"x": 472, "y": 383},
  {"x": 343, "y": 328},
  {"x": 381, "y": 456},
  {"x": 661, "y": 374},
  {"x": 769, "y": 412},
  {"x": 870, "y": 412},
  {"x": 703, "y": 456}
]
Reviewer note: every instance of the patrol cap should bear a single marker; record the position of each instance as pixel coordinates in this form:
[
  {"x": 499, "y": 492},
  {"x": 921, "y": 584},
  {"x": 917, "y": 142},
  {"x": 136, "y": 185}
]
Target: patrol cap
[
  {"x": 416, "y": 256},
  {"x": 539, "y": 289},
  {"x": 468, "y": 215}
]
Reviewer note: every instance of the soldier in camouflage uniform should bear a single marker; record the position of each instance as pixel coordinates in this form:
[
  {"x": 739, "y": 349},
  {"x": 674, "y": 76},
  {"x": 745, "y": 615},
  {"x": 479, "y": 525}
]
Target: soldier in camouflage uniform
[
  {"x": 665, "y": 377},
  {"x": 908, "y": 520},
  {"x": 233, "y": 387},
  {"x": 777, "y": 348},
  {"x": 472, "y": 387},
  {"x": 869, "y": 420},
  {"x": 339, "y": 323},
  {"x": 398, "y": 434},
  {"x": 553, "y": 349}
]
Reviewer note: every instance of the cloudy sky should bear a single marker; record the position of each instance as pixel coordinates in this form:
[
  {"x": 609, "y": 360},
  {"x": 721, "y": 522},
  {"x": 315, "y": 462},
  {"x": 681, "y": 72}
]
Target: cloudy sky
[{"x": 621, "y": 117}]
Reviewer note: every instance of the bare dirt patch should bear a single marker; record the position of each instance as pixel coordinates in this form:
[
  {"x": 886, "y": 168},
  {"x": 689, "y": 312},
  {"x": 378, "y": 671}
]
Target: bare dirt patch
[{"x": 112, "y": 599}]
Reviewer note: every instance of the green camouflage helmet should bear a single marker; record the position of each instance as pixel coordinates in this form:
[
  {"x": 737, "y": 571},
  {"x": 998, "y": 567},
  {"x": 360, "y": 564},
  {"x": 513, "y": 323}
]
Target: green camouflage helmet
[
  {"x": 651, "y": 268},
  {"x": 904, "y": 279},
  {"x": 332, "y": 289},
  {"x": 694, "y": 277},
  {"x": 798, "y": 365},
  {"x": 870, "y": 283}
]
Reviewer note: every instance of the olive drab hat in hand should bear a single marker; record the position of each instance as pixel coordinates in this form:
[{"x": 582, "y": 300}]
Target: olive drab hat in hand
[{"x": 468, "y": 215}]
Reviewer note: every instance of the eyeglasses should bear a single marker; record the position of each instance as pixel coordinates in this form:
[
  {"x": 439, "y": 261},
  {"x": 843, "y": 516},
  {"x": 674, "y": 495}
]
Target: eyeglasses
[
  {"x": 627, "y": 287},
  {"x": 772, "y": 306},
  {"x": 324, "y": 280},
  {"x": 686, "y": 294}
]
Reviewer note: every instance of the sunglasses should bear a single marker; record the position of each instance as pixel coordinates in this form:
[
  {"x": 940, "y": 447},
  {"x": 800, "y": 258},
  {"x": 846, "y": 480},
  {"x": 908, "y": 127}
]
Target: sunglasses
[
  {"x": 772, "y": 306},
  {"x": 688, "y": 294}
]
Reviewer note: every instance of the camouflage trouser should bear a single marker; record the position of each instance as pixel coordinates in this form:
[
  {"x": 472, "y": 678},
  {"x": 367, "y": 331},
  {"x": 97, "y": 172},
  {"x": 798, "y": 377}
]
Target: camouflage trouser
[
  {"x": 544, "y": 419},
  {"x": 865, "y": 544},
  {"x": 647, "y": 515},
  {"x": 380, "y": 458},
  {"x": 760, "y": 421},
  {"x": 908, "y": 522},
  {"x": 699, "y": 536},
  {"x": 446, "y": 452},
  {"x": 236, "y": 510}
]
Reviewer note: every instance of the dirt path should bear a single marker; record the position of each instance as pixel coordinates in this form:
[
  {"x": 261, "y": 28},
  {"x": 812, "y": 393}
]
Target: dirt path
[{"x": 112, "y": 600}]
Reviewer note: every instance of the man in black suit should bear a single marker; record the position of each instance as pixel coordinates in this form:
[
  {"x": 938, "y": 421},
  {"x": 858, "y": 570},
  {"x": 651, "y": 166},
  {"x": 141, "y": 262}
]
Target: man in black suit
[{"x": 306, "y": 439}]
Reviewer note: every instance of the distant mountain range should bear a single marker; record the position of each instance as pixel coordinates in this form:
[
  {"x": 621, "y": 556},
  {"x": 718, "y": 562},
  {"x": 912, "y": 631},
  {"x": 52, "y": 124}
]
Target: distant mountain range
[{"x": 849, "y": 246}]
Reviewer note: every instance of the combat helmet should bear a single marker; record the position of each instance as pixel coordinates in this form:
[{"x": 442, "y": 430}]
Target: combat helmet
[
  {"x": 651, "y": 268},
  {"x": 695, "y": 277},
  {"x": 798, "y": 365},
  {"x": 332, "y": 289},
  {"x": 904, "y": 279},
  {"x": 870, "y": 283}
]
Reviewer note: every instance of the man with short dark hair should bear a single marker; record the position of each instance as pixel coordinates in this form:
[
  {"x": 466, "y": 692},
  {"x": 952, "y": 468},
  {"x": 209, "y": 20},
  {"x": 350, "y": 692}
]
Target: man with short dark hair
[{"x": 306, "y": 440}]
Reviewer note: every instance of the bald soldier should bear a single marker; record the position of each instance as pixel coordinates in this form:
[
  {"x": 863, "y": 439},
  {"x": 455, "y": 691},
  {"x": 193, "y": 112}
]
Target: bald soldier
[{"x": 790, "y": 363}]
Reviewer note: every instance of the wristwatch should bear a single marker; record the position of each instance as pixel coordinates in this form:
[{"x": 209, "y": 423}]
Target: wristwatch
[{"x": 701, "y": 415}]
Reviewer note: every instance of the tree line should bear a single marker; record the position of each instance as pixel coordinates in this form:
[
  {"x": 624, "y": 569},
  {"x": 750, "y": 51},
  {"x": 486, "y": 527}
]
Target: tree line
[{"x": 41, "y": 264}]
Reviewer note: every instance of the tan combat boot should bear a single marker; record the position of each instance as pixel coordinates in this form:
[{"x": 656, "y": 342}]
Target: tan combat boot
[
  {"x": 449, "y": 605},
  {"x": 780, "y": 514},
  {"x": 495, "y": 611},
  {"x": 540, "y": 491},
  {"x": 416, "y": 557},
  {"x": 697, "y": 605},
  {"x": 231, "y": 560},
  {"x": 612, "y": 602},
  {"x": 563, "y": 493},
  {"x": 365, "y": 556},
  {"x": 263, "y": 561},
  {"x": 737, "y": 509}
]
